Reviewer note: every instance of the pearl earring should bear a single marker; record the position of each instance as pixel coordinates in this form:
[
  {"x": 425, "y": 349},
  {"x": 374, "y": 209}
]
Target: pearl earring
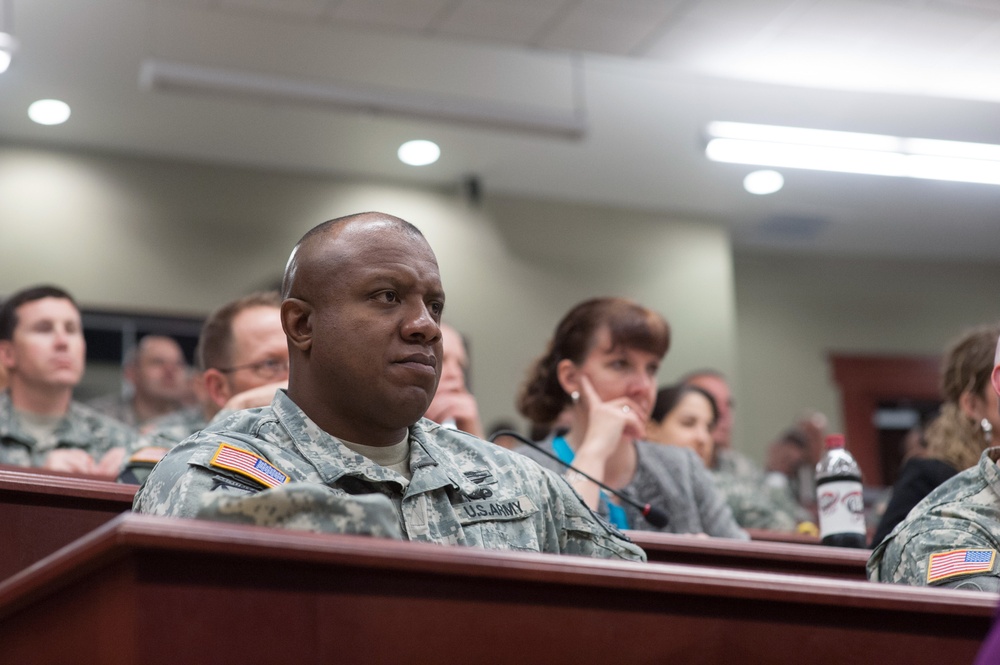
[
  {"x": 987, "y": 428},
  {"x": 575, "y": 396}
]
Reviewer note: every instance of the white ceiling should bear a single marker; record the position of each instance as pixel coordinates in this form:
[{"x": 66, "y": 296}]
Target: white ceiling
[{"x": 646, "y": 76}]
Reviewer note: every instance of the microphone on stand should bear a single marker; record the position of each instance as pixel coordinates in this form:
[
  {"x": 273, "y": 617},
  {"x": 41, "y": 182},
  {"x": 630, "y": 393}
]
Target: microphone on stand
[{"x": 653, "y": 515}]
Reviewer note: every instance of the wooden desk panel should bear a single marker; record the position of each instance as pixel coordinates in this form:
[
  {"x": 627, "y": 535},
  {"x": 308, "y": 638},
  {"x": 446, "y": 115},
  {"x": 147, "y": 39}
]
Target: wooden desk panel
[
  {"x": 41, "y": 511},
  {"x": 760, "y": 556},
  {"x": 153, "y": 590}
]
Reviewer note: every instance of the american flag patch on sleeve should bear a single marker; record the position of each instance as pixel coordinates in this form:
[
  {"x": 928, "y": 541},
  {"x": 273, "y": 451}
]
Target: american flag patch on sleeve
[
  {"x": 942, "y": 565},
  {"x": 249, "y": 465}
]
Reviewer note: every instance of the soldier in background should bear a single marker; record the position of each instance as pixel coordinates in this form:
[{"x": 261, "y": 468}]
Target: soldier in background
[
  {"x": 43, "y": 351},
  {"x": 244, "y": 357},
  {"x": 156, "y": 372},
  {"x": 952, "y": 537}
]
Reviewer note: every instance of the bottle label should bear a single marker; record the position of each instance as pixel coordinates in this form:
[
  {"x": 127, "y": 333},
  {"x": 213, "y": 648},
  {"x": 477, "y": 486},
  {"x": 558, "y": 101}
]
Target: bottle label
[{"x": 841, "y": 508}]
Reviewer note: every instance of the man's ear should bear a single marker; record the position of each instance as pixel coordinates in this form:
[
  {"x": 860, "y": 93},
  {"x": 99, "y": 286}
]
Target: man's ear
[
  {"x": 7, "y": 354},
  {"x": 569, "y": 376},
  {"x": 296, "y": 321},
  {"x": 129, "y": 373},
  {"x": 216, "y": 387}
]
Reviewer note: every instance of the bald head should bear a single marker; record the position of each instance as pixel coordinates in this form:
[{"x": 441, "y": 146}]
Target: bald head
[{"x": 306, "y": 251}]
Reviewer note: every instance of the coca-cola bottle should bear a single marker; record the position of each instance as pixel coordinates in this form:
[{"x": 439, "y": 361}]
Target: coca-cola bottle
[{"x": 839, "y": 499}]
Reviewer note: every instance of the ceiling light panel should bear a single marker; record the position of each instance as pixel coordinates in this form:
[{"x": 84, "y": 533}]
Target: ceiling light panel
[{"x": 851, "y": 152}]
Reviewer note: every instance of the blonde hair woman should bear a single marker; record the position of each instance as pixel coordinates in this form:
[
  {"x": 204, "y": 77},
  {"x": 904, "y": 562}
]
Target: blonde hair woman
[{"x": 970, "y": 415}]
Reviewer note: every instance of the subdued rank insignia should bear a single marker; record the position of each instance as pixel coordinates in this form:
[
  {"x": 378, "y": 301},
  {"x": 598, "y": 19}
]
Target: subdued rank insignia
[
  {"x": 942, "y": 565},
  {"x": 479, "y": 476},
  {"x": 249, "y": 465}
]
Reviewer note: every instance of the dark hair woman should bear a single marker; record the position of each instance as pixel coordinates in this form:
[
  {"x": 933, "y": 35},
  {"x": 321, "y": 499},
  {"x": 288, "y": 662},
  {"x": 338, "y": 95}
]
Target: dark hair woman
[{"x": 599, "y": 376}]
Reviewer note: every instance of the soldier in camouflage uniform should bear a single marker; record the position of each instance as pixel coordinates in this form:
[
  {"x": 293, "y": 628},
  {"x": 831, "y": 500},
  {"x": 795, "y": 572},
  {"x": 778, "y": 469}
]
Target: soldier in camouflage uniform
[
  {"x": 951, "y": 537},
  {"x": 754, "y": 503},
  {"x": 42, "y": 348},
  {"x": 243, "y": 358},
  {"x": 346, "y": 449}
]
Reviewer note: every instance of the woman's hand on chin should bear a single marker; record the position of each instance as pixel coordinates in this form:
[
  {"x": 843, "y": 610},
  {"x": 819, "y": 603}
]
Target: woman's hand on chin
[{"x": 608, "y": 422}]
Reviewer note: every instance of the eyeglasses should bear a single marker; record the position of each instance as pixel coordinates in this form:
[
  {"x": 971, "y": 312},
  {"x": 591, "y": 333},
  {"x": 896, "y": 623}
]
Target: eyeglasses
[{"x": 267, "y": 370}]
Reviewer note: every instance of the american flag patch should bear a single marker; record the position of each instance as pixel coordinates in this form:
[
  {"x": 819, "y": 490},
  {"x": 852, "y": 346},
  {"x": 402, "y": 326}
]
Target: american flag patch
[
  {"x": 249, "y": 465},
  {"x": 959, "y": 562}
]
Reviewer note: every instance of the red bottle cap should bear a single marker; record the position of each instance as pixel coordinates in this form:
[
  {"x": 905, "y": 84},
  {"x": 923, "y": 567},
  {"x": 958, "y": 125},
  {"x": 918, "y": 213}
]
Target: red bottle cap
[{"x": 834, "y": 441}]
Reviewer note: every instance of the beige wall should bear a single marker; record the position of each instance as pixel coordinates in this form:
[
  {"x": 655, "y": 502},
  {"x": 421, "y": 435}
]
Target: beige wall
[
  {"x": 174, "y": 237},
  {"x": 794, "y": 311}
]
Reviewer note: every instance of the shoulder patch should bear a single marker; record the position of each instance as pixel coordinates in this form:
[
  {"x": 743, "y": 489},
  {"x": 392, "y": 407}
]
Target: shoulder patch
[
  {"x": 943, "y": 565},
  {"x": 247, "y": 464}
]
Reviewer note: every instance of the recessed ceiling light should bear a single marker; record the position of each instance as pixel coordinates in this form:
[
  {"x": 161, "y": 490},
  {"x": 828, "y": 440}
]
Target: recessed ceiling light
[
  {"x": 763, "y": 182},
  {"x": 49, "y": 112},
  {"x": 419, "y": 152},
  {"x": 7, "y": 47}
]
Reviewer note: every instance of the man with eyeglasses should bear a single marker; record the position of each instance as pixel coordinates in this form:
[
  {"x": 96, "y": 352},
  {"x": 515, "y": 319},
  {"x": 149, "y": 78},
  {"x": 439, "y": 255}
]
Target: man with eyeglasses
[{"x": 244, "y": 359}]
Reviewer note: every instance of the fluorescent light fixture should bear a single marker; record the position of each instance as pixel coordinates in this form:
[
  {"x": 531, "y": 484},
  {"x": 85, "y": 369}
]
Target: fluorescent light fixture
[
  {"x": 7, "y": 47},
  {"x": 49, "y": 112},
  {"x": 763, "y": 182},
  {"x": 179, "y": 77},
  {"x": 849, "y": 152},
  {"x": 419, "y": 152}
]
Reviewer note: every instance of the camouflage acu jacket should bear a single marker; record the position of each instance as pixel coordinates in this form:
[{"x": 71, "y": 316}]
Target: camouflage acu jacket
[
  {"x": 951, "y": 538},
  {"x": 274, "y": 466},
  {"x": 82, "y": 427}
]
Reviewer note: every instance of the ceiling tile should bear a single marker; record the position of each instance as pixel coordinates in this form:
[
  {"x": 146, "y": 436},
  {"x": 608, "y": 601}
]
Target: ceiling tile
[
  {"x": 608, "y": 27},
  {"x": 517, "y": 21},
  {"x": 289, "y": 8},
  {"x": 401, "y": 14}
]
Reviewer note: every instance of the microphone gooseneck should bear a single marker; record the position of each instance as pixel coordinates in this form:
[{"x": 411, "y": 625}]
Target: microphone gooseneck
[{"x": 653, "y": 515}]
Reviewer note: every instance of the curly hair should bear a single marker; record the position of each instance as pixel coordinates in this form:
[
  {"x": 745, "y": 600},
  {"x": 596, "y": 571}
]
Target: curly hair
[
  {"x": 631, "y": 325},
  {"x": 953, "y": 437}
]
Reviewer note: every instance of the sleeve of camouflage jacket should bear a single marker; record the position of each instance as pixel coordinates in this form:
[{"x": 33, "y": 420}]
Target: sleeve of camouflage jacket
[{"x": 579, "y": 530}]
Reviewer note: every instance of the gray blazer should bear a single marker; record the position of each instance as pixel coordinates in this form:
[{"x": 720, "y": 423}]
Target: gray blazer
[{"x": 673, "y": 479}]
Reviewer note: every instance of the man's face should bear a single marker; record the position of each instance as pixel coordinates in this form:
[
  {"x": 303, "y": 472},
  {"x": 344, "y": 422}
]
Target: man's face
[
  {"x": 47, "y": 348},
  {"x": 258, "y": 341},
  {"x": 160, "y": 370},
  {"x": 376, "y": 342},
  {"x": 719, "y": 390}
]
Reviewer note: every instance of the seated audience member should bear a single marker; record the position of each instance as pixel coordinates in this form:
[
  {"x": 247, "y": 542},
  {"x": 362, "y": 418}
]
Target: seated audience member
[
  {"x": 156, "y": 371},
  {"x": 244, "y": 357},
  {"x": 685, "y": 415},
  {"x": 790, "y": 457},
  {"x": 345, "y": 448},
  {"x": 453, "y": 405},
  {"x": 43, "y": 351},
  {"x": 601, "y": 364},
  {"x": 960, "y": 433},
  {"x": 724, "y": 457},
  {"x": 952, "y": 537}
]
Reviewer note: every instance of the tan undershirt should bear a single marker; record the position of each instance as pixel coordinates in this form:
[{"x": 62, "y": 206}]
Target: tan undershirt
[
  {"x": 42, "y": 428},
  {"x": 395, "y": 457}
]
